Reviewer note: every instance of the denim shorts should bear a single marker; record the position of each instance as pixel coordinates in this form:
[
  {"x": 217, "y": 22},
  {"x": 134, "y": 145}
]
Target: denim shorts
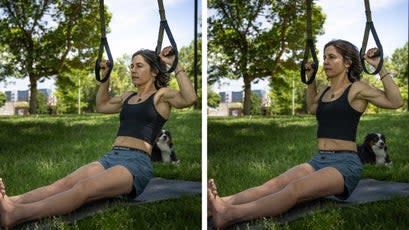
[
  {"x": 347, "y": 163},
  {"x": 137, "y": 162}
]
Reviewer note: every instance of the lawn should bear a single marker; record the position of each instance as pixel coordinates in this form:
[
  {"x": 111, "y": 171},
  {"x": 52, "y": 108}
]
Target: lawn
[
  {"x": 37, "y": 150},
  {"x": 245, "y": 152}
]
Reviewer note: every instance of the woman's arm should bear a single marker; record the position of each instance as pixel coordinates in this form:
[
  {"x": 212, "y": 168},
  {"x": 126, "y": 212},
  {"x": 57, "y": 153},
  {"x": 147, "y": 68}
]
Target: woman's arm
[
  {"x": 104, "y": 102},
  {"x": 312, "y": 95},
  {"x": 390, "y": 97},
  {"x": 186, "y": 95}
]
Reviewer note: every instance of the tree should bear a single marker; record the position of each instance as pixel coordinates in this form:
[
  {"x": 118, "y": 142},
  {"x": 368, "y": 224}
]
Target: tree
[
  {"x": 69, "y": 82},
  {"x": 255, "y": 105},
  {"x": 121, "y": 76},
  {"x": 256, "y": 39},
  {"x": 45, "y": 38},
  {"x": 399, "y": 66},
  {"x": 42, "y": 103},
  {"x": 186, "y": 56},
  {"x": 213, "y": 98},
  {"x": 67, "y": 91},
  {"x": 3, "y": 98}
]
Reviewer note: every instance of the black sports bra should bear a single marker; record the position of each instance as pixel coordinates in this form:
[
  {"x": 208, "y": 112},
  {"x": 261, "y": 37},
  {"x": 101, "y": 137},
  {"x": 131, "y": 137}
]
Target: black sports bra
[
  {"x": 337, "y": 119},
  {"x": 140, "y": 120}
]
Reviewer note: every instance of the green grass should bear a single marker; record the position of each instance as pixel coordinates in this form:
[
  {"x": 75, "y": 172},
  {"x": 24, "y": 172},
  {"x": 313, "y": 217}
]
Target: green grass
[
  {"x": 37, "y": 150},
  {"x": 245, "y": 152}
]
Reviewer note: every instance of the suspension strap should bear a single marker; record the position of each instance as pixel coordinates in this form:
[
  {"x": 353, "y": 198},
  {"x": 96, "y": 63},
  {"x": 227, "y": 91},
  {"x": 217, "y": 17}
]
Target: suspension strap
[
  {"x": 103, "y": 44},
  {"x": 370, "y": 27},
  {"x": 309, "y": 47},
  {"x": 165, "y": 27}
]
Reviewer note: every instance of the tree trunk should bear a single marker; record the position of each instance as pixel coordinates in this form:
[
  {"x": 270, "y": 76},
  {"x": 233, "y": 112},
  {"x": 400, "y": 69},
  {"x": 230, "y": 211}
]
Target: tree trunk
[
  {"x": 33, "y": 95},
  {"x": 247, "y": 95}
]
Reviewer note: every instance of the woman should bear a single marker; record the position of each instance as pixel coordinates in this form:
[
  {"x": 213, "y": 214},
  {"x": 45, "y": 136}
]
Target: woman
[
  {"x": 336, "y": 168},
  {"x": 126, "y": 170}
]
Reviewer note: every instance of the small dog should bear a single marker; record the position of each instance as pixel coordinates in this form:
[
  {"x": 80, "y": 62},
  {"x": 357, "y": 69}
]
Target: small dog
[
  {"x": 374, "y": 150},
  {"x": 163, "y": 149}
]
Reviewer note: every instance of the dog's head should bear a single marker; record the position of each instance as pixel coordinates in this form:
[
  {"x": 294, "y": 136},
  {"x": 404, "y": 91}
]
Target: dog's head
[
  {"x": 164, "y": 136},
  {"x": 375, "y": 140}
]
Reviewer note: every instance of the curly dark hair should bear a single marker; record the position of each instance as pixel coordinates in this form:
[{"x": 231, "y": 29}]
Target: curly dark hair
[
  {"x": 350, "y": 54},
  {"x": 156, "y": 64}
]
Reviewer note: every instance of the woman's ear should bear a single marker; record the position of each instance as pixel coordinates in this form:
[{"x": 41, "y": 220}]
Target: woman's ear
[
  {"x": 154, "y": 72},
  {"x": 347, "y": 62}
]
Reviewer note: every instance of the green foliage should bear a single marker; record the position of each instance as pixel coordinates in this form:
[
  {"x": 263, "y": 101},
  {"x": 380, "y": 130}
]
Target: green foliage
[
  {"x": 282, "y": 93},
  {"x": 42, "y": 104},
  {"x": 256, "y": 39},
  {"x": 67, "y": 92},
  {"x": 120, "y": 80},
  {"x": 186, "y": 57},
  {"x": 67, "y": 87},
  {"x": 400, "y": 62},
  {"x": 3, "y": 99},
  {"x": 41, "y": 39},
  {"x": 213, "y": 98},
  {"x": 399, "y": 66},
  {"x": 255, "y": 104}
]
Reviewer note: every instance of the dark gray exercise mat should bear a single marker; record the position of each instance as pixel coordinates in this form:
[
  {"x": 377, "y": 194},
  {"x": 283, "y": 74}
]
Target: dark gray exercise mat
[
  {"x": 368, "y": 190},
  {"x": 157, "y": 189}
]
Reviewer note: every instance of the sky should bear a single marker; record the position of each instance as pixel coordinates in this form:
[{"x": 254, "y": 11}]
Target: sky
[
  {"x": 346, "y": 19},
  {"x": 134, "y": 25}
]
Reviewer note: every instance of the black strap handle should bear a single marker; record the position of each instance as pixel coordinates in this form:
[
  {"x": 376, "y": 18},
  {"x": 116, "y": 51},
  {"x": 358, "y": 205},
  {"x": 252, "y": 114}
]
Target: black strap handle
[
  {"x": 370, "y": 27},
  {"x": 309, "y": 47},
  {"x": 165, "y": 27},
  {"x": 103, "y": 44}
]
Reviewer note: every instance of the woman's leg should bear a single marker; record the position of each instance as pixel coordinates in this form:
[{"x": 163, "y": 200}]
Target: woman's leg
[
  {"x": 60, "y": 185},
  {"x": 324, "y": 182},
  {"x": 111, "y": 182},
  {"x": 272, "y": 186}
]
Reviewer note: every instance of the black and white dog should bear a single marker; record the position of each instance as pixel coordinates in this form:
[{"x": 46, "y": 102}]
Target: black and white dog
[
  {"x": 374, "y": 150},
  {"x": 163, "y": 149}
]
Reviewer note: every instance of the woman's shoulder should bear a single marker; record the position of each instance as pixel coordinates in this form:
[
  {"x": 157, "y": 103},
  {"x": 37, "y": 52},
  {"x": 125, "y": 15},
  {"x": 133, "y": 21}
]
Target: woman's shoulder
[
  {"x": 164, "y": 90},
  {"x": 322, "y": 89},
  {"x": 360, "y": 85},
  {"x": 126, "y": 94},
  {"x": 359, "y": 88}
]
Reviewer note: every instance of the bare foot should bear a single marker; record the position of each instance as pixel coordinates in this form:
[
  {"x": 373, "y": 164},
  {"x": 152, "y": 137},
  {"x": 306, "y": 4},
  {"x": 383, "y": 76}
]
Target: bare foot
[
  {"x": 2, "y": 188},
  {"x": 218, "y": 209},
  {"x": 212, "y": 186},
  {"x": 6, "y": 209}
]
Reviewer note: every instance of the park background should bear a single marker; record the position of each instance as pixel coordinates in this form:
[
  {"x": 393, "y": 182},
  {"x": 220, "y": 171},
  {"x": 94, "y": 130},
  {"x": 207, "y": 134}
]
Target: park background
[
  {"x": 258, "y": 126},
  {"x": 48, "y": 51}
]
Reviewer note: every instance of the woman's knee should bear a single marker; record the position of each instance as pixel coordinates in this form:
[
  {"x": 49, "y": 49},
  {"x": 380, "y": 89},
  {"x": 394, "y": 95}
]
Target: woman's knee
[
  {"x": 83, "y": 188},
  {"x": 278, "y": 182},
  {"x": 272, "y": 184},
  {"x": 294, "y": 190},
  {"x": 63, "y": 184}
]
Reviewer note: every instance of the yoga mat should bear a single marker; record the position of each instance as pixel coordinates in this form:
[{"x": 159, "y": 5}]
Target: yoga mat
[
  {"x": 157, "y": 189},
  {"x": 368, "y": 190}
]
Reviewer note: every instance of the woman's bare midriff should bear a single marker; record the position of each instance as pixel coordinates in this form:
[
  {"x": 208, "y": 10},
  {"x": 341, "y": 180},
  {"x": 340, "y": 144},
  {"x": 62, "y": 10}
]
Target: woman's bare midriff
[
  {"x": 333, "y": 144},
  {"x": 132, "y": 142}
]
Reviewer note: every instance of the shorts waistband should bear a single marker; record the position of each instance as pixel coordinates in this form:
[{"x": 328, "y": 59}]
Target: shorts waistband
[
  {"x": 336, "y": 151},
  {"x": 129, "y": 149}
]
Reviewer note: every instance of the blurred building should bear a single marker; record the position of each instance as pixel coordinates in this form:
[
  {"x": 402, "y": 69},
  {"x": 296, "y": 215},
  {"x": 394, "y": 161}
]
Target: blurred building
[
  {"x": 231, "y": 103},
  {"x": 17, "y": 101}
]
